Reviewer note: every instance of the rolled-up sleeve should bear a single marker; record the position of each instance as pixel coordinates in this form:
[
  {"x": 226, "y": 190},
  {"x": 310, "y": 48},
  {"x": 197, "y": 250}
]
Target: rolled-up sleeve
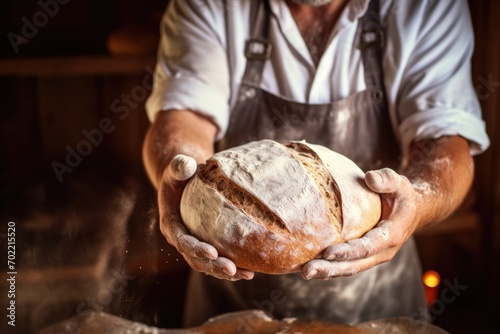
[
  {"x": 192, "y": 70},
  {"x": 436, "y": 96}
]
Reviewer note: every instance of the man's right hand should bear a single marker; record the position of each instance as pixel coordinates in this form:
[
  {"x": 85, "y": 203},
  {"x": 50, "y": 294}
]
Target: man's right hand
[{"x": 199, "y": 255}]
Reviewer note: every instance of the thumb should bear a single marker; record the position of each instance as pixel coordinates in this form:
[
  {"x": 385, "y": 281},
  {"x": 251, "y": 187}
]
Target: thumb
[
  {"x": 178, "y": 171},
  {"x": 182, "y": 167},
  {"x": 383, "y": 180}
]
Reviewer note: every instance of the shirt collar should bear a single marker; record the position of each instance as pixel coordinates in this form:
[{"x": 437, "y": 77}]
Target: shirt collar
[
  {"x": 351, "y": 14},
  {"x": 355, "y": 8}
]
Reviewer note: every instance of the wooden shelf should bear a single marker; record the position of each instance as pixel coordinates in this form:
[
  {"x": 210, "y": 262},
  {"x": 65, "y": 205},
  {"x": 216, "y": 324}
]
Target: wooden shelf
[
  {"x": 76, "y": 66},
  {"x": 464, "y": 223}
]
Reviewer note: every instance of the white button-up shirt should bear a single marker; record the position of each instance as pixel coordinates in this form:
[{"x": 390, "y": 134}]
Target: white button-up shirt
[{"x": 428, "y": 46}]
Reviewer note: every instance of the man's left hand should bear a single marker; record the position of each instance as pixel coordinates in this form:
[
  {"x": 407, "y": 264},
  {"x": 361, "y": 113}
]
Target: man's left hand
[{"x": 398, "y": 222}]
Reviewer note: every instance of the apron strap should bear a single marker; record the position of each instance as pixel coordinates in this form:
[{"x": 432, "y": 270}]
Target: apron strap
[
  {"x": 370, "y": 43},
  {"x": 258, "y": 48},
  {"x": 229, "y": 38}
]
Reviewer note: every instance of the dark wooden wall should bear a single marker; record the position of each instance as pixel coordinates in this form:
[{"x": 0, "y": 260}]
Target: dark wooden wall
[
  {"x": 77, "y": 231},
  {"x": 486, "y": 75}
]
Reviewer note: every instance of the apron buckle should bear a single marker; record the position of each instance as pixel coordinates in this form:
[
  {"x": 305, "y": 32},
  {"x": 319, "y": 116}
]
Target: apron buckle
[
  {"x": 258, "y": 49},
  {"x": 371, "y": 38}
]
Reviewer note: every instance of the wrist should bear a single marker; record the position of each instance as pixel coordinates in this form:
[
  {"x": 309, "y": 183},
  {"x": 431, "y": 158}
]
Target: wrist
[{"x": 441, "y": 176}]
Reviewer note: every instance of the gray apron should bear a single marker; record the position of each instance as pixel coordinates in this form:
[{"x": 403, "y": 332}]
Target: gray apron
[{"x": 358, "y": 127}]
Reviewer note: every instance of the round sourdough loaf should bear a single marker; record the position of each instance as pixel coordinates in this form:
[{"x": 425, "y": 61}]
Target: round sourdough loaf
[{"x": 271, "y": 208}]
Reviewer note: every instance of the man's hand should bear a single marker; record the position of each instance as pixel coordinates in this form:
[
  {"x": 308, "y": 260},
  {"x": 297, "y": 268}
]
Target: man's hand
[
  {"x": 438, "y": 175},
  {"x": 379, "y": 245},
  {"x": 200, "y": 256}
]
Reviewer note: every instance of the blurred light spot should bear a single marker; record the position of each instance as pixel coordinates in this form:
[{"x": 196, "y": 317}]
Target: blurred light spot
[{"x": 431, "y": 278}]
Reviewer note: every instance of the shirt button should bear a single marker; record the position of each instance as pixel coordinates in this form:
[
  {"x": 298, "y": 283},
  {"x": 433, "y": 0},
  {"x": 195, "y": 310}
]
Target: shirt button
[
  {"x": 377, "y": 95},
  {"x": 250, "y": 93}
]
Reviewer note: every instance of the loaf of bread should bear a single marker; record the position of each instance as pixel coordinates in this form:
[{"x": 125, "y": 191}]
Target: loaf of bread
[{"x": 271, "y": 207}]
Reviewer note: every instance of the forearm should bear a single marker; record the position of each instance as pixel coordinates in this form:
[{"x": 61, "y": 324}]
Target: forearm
[
  {"x": 176, "y": 132},
  {"x": 441, "y": 172}
]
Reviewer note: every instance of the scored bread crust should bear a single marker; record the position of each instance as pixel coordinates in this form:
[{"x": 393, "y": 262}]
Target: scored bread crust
[
  {"x": 270, "y": 208},
  {"x": 361, "y": 207}
]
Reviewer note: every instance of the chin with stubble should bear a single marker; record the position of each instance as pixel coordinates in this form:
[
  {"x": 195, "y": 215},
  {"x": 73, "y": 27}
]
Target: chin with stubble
[{"x": 314, "y": 3}]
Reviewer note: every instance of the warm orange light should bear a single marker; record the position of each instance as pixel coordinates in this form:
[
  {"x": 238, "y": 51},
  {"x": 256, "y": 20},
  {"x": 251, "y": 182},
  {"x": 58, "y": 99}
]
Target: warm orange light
[{"x": 431, "y": 278}]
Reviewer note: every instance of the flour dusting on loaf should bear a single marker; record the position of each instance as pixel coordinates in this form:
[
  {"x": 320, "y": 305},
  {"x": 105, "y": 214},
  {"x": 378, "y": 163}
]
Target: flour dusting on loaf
[
  {"x": 357, "y": 199},
  {"x": 271, "y": 207}
]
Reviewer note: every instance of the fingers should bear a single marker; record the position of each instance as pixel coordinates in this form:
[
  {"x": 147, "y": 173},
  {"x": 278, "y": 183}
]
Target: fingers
[
  {"x": 387, "y": 181},
  {"x": 324, "y": 269},
  {"x": 221, "y": 268},
  {"x": 398, "y": 202},
  {"x": 373, "y": 242},
  {"x": 245, "y": 274},
  {"x": 383, "y": 180},
  {"x": 204, "y": 258},
  {"x": 382, "y": 242},
  {"x": 182, "y": 167},
  {"x": 352, "y": 257},
  {"x": 192, "y": 247},
  {"x": 201, "y": 256}
]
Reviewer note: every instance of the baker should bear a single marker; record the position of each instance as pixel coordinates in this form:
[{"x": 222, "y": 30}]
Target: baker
[{"x": 385, "y": 82}]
